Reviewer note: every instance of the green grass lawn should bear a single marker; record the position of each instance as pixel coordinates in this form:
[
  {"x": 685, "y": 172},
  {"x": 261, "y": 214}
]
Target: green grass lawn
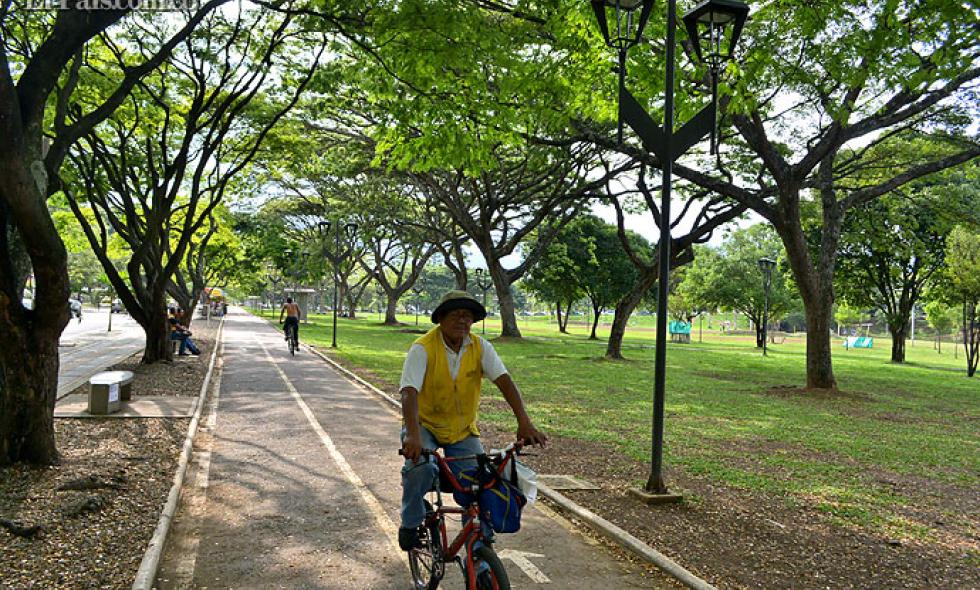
[{"x": 732, "y": 415}]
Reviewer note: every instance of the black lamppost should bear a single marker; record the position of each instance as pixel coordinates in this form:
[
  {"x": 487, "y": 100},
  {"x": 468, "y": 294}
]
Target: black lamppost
[
  {"x": 350, "y": 231},
  {"x": 705, "y": 23},
  {"x": 417, "y": 291},
  {"x": 484, "y": 286},
  {"x": 766, "y": 265}
]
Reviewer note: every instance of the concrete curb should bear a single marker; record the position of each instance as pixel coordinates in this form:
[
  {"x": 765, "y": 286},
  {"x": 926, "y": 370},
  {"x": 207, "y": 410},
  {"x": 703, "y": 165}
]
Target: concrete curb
[
  {"x": 628, "y": 541},
  {"x": 147, "y": 572},
  {"x": 601, "y": 525}
]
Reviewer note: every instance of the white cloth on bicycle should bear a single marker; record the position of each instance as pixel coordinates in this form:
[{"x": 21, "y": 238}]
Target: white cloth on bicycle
[{"x": 413, "y": 371}]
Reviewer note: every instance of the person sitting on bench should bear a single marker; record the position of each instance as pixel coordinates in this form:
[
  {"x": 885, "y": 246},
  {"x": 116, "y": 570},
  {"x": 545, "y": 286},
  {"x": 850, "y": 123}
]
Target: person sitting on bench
[{"x": 180, "y": 333}]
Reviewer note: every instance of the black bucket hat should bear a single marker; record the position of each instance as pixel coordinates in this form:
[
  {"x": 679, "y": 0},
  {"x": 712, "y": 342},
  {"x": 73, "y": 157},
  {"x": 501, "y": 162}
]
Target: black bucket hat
[{"x": 458, "y": 300}]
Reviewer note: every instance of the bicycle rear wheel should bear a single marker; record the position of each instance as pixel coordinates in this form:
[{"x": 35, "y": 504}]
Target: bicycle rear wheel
[
  {"x": 426, "y": 561},
  {"x": 494, "y": 578}
]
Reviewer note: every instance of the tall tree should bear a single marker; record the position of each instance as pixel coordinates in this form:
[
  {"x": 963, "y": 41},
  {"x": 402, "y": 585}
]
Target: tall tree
[
  {"x": 702, "y": 213},
  {"x": 736, "y": 281},
  {"x": 40, "y": 59},
  {"x": 555, "y": 277},
  {"x": 608, "y": 274},
  {"x": 535, "y": 190},
  {"x": 892, "y": 247},
  {"x": 156, "y": 171},
  {"x": 845, "y": 73},
  {"x": 214, "y": 256},
  {"x": 963, "y": 260},
  {"x": 942, "y": 318}
]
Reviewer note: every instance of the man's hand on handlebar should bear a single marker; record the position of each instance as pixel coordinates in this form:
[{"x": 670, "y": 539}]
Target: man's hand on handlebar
[
  {"x": 531, "y": 435},
  {"x": 412, "y": 447}
]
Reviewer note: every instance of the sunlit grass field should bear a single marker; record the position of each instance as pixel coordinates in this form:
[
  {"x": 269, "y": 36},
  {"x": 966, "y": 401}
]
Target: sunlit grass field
[{"x": 733, "y": 415}]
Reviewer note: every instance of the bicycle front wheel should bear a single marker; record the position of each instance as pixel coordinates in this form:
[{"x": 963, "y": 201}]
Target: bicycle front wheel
[
  {"x": 494, "y": 578},
  {"x": 426, "y": 561}
]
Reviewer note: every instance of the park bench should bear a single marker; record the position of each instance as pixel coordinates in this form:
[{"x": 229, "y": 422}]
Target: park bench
[{"x": 107, "y": 389}]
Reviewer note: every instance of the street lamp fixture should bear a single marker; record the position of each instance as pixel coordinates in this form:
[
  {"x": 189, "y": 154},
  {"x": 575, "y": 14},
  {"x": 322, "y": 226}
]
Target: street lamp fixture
[
  {"x": 706, "y": 23},
  {"x": 350, "y": 232},
  {"x": 766, "y": 265},
  {"x": 483, "y": 285}
]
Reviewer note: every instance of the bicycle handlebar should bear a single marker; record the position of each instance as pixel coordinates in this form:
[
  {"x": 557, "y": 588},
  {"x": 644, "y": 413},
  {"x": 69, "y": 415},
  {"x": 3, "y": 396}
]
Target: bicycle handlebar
[{"x": 514, "y": 447}]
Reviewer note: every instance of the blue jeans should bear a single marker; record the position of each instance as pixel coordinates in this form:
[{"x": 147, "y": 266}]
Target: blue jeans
[
  {"x": 185, "y": 342},
  {"x": 419, "y": 478}
]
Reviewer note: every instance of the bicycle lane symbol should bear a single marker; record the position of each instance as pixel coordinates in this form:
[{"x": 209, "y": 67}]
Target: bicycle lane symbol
[{"x": 520, "y": 559}]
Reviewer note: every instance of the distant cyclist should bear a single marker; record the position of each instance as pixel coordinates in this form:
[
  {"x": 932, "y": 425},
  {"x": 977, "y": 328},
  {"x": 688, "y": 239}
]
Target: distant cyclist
[{"x": 291, "y": 311}]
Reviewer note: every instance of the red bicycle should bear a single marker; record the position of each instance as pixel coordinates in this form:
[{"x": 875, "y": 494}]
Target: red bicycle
[{"x": 428, "y": 560}]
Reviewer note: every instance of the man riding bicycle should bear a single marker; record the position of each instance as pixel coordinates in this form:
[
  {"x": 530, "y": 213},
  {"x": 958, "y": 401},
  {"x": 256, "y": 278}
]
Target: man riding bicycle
[
  {"x": 440, "y": 394},
  {"x": 292, "y": 313}
]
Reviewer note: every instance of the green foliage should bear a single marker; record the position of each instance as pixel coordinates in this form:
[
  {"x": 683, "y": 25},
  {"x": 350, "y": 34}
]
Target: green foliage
[
  {"x": 943, "y": 318},
  {"x": 695, "y": 284},
  {"x": 586, "y": 259},
  {"x": 963, "y": 260},
  {"x": 730, "y": 278},
  {"x": 847, "y": 314},
  {"x": 891, "y": 248}
]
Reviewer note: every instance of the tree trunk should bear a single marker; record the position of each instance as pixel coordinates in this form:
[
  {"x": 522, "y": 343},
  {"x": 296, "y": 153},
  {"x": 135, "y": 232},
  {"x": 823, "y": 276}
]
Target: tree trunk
[
  {"x": 819, "y": 370},
  {"x": 28, "y": 338},
  {"x": 814, "y": 280},
  {"x": 158, "y": 345},
  {"x": 151, "y": 315},
  {"x": 508, "y": 316},
  {"x": 624, "y": 309},
  {"x": 561, "y": 325},
  {"x": 505, "y": 301},
  {"x": 351, "y": 306},
  {"x": 898, "y": 344},
  {"x": 391, "y": 319},
  {"x": 28, "y": 389},
  {"x": 568, "y": 316},
  {"x": 597, "y": 313},
  {"x": 971, "y": 337},
  {"x": 759, "y": 336}
]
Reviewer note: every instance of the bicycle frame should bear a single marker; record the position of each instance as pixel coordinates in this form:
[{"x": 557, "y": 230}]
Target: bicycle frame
[{"x": 472, "y": 531}]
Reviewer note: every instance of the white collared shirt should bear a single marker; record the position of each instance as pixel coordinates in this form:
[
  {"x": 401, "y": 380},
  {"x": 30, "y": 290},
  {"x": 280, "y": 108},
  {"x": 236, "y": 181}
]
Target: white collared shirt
[{"x": 413, "y": 371}]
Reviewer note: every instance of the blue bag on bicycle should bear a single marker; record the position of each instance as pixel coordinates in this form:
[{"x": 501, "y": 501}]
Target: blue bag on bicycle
[
  {"x": 501, "y": 506},
  {"x": 500, "y": 501}
]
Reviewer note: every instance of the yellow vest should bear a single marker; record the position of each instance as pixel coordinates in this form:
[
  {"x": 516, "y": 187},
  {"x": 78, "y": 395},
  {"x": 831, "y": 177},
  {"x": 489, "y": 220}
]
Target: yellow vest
[{"x": 447, "y": 408}]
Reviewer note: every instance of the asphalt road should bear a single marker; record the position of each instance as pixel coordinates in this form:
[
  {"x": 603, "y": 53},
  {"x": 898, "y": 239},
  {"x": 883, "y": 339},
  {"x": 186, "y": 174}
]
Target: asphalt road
[{"x": 295, "y": 484}]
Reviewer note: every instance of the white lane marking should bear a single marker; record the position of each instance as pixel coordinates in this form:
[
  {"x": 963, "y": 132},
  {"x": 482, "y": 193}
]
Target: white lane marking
[
  {"x": 196, "y": 503},
  {"x": 380, "y": 516},
  {"x": 520, "y": 559}
]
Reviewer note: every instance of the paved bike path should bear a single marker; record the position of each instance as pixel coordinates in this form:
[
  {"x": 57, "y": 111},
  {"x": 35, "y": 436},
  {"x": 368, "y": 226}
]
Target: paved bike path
[{"x": 297, "y": 485}]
